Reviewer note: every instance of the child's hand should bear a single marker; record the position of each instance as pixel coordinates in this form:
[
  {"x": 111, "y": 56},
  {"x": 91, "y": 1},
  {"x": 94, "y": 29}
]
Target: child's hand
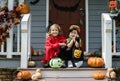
[{"x": 62, "y": 44}]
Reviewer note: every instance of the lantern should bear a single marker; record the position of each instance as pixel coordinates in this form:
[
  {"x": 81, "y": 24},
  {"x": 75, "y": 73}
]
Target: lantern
[
  {"x": 56, "y": 63},
  {"x": 112, "y": 4}
]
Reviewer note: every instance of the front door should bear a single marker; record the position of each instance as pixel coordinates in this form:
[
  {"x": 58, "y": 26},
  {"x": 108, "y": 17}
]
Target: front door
[{"x": 66, "y": 13}]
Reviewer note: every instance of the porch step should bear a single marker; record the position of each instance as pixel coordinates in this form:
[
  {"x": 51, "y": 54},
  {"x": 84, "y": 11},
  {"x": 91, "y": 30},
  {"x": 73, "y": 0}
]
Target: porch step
[
  {"x": 67, "y": 79},
  {"x": 70, "y": 79},
  {"x": 67, "y": 72}
]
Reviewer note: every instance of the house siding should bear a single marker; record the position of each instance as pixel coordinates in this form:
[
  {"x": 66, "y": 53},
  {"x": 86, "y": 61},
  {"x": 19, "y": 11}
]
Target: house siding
[
  {"x": 38, "y": 26},
  {"x": 96, "y": 8},
  {"x": 38, "y": 29}
]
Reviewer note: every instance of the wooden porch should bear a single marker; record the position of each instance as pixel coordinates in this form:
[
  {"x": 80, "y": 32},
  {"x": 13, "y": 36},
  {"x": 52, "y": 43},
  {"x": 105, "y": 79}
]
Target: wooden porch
[{"x": 20, "y": 58}]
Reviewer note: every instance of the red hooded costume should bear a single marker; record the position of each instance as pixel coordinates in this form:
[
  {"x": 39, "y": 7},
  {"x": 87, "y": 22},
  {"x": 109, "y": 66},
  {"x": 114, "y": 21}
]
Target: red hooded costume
[{"x": 52, "y": 47}]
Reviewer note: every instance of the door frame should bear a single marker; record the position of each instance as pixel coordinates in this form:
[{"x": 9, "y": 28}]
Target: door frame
[{"x": 87, "y": 23}]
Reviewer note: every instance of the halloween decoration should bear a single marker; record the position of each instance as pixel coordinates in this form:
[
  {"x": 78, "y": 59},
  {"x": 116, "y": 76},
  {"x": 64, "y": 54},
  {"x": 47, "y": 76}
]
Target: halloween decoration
[
  {"x": 31, "y": 64},
  {"x": 34, "y": 77},
  {"x": 56, "y": 63},
  {"x": 37, "y": 75},
  {"x": 99, "y": 76},
  {"x": 40, "y": 52},
  {"x": 8, "y": 18},
  {"x": 66, "y": 8},
  {"x": 95, "y": 62},
  {"x": 23, "y": 8},
  {"x": 117, "y": 71},
  {"x": 113, "y": 6},
  {"x": 109, "y": 70},
  {"x": 24, "y": 75},
  {"x": 77, "y": 53}
]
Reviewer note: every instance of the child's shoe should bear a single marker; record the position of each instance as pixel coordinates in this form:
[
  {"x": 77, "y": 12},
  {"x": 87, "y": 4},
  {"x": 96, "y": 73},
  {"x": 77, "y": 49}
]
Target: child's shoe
[
  {"x": 78, "y": 64},
  {"x": 70, "y": 64}
]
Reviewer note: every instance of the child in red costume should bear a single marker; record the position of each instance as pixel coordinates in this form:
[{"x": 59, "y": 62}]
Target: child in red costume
[{"x": 53, "y": 43}]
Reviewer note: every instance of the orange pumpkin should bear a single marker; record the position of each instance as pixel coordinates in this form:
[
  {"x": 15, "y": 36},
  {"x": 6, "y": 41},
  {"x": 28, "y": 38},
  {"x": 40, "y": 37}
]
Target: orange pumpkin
[
  {"x": 95, "y": 62},
  {"x": 99, "y": 76},
  {"x": 112, "y": 4},
  {"x": 25, "y": 75},
  {"x": 23, "y": 8}
]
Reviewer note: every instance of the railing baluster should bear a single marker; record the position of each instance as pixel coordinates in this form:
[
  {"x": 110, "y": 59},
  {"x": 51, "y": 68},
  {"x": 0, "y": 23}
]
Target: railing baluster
[{"x": 18, "y": 38}]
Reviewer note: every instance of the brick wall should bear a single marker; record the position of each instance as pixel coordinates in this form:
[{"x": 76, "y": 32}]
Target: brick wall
[{"x": 7, "y": 74}]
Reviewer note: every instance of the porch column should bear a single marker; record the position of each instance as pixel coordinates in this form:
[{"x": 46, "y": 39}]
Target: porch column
[
  {"x": 25, "y": 40},
  {"x": 107, "y": 39}
]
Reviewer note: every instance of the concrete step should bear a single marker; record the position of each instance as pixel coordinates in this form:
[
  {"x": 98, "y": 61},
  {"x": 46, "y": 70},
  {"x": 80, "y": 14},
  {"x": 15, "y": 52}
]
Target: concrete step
[
  {"x": 71, "y": 79},
  {"x": 67, "y": 79},
  {"x": 67, "y": 72}
]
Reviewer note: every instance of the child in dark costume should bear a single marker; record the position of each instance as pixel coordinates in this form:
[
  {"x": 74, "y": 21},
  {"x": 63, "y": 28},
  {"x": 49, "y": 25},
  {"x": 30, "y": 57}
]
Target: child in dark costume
[{"x": 74, "y": 42}]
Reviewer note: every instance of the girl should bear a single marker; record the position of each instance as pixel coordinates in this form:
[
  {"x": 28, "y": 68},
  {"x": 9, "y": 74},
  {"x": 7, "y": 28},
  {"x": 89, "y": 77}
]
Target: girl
[
  {"x": 53, "y": 43},
  {"x": 74, "y": 42}
]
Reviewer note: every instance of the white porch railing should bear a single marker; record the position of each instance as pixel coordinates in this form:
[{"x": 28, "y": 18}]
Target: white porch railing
[
  {"x": 108, "y": 35},
  {"x": 23, "y": 40}
]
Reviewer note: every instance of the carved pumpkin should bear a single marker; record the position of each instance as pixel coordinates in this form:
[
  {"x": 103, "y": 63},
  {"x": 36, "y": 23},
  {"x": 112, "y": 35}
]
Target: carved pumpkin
[
  {"x": 77, "y": 53},
  {"x": 23, "y": 8},
  {"x": 95, "y": 62},
  {"x": 56, "y": 63},
  {"x": 99, "y": 76},
  {"x": 25, "y": 75},
  {"x": 112, "y": 4}
]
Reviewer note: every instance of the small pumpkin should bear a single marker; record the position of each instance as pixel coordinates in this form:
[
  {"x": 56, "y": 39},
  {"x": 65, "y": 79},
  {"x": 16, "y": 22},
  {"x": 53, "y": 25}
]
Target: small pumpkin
[
  {"x": 109, "y": 69},
  {"x": 25, "y": 75},
  {"x": 31, "y": 63},
  {"x": 38, "y": 70},
  {"x": 38, "y": 75},
  {"x": 34, "y": 77},
  {"x": 23, "y": 8},
  {"x": 99, "y": 76},
  {"x": 95, "y": 62}
]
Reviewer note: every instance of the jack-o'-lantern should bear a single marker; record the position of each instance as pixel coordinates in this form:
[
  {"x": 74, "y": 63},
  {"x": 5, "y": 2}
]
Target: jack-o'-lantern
[
  {"x": 77, "y": 53},
  {"x": 56, "y": 63},
  {"x": 112, "y": 4},
  {"x": 23, "y": 8}
]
